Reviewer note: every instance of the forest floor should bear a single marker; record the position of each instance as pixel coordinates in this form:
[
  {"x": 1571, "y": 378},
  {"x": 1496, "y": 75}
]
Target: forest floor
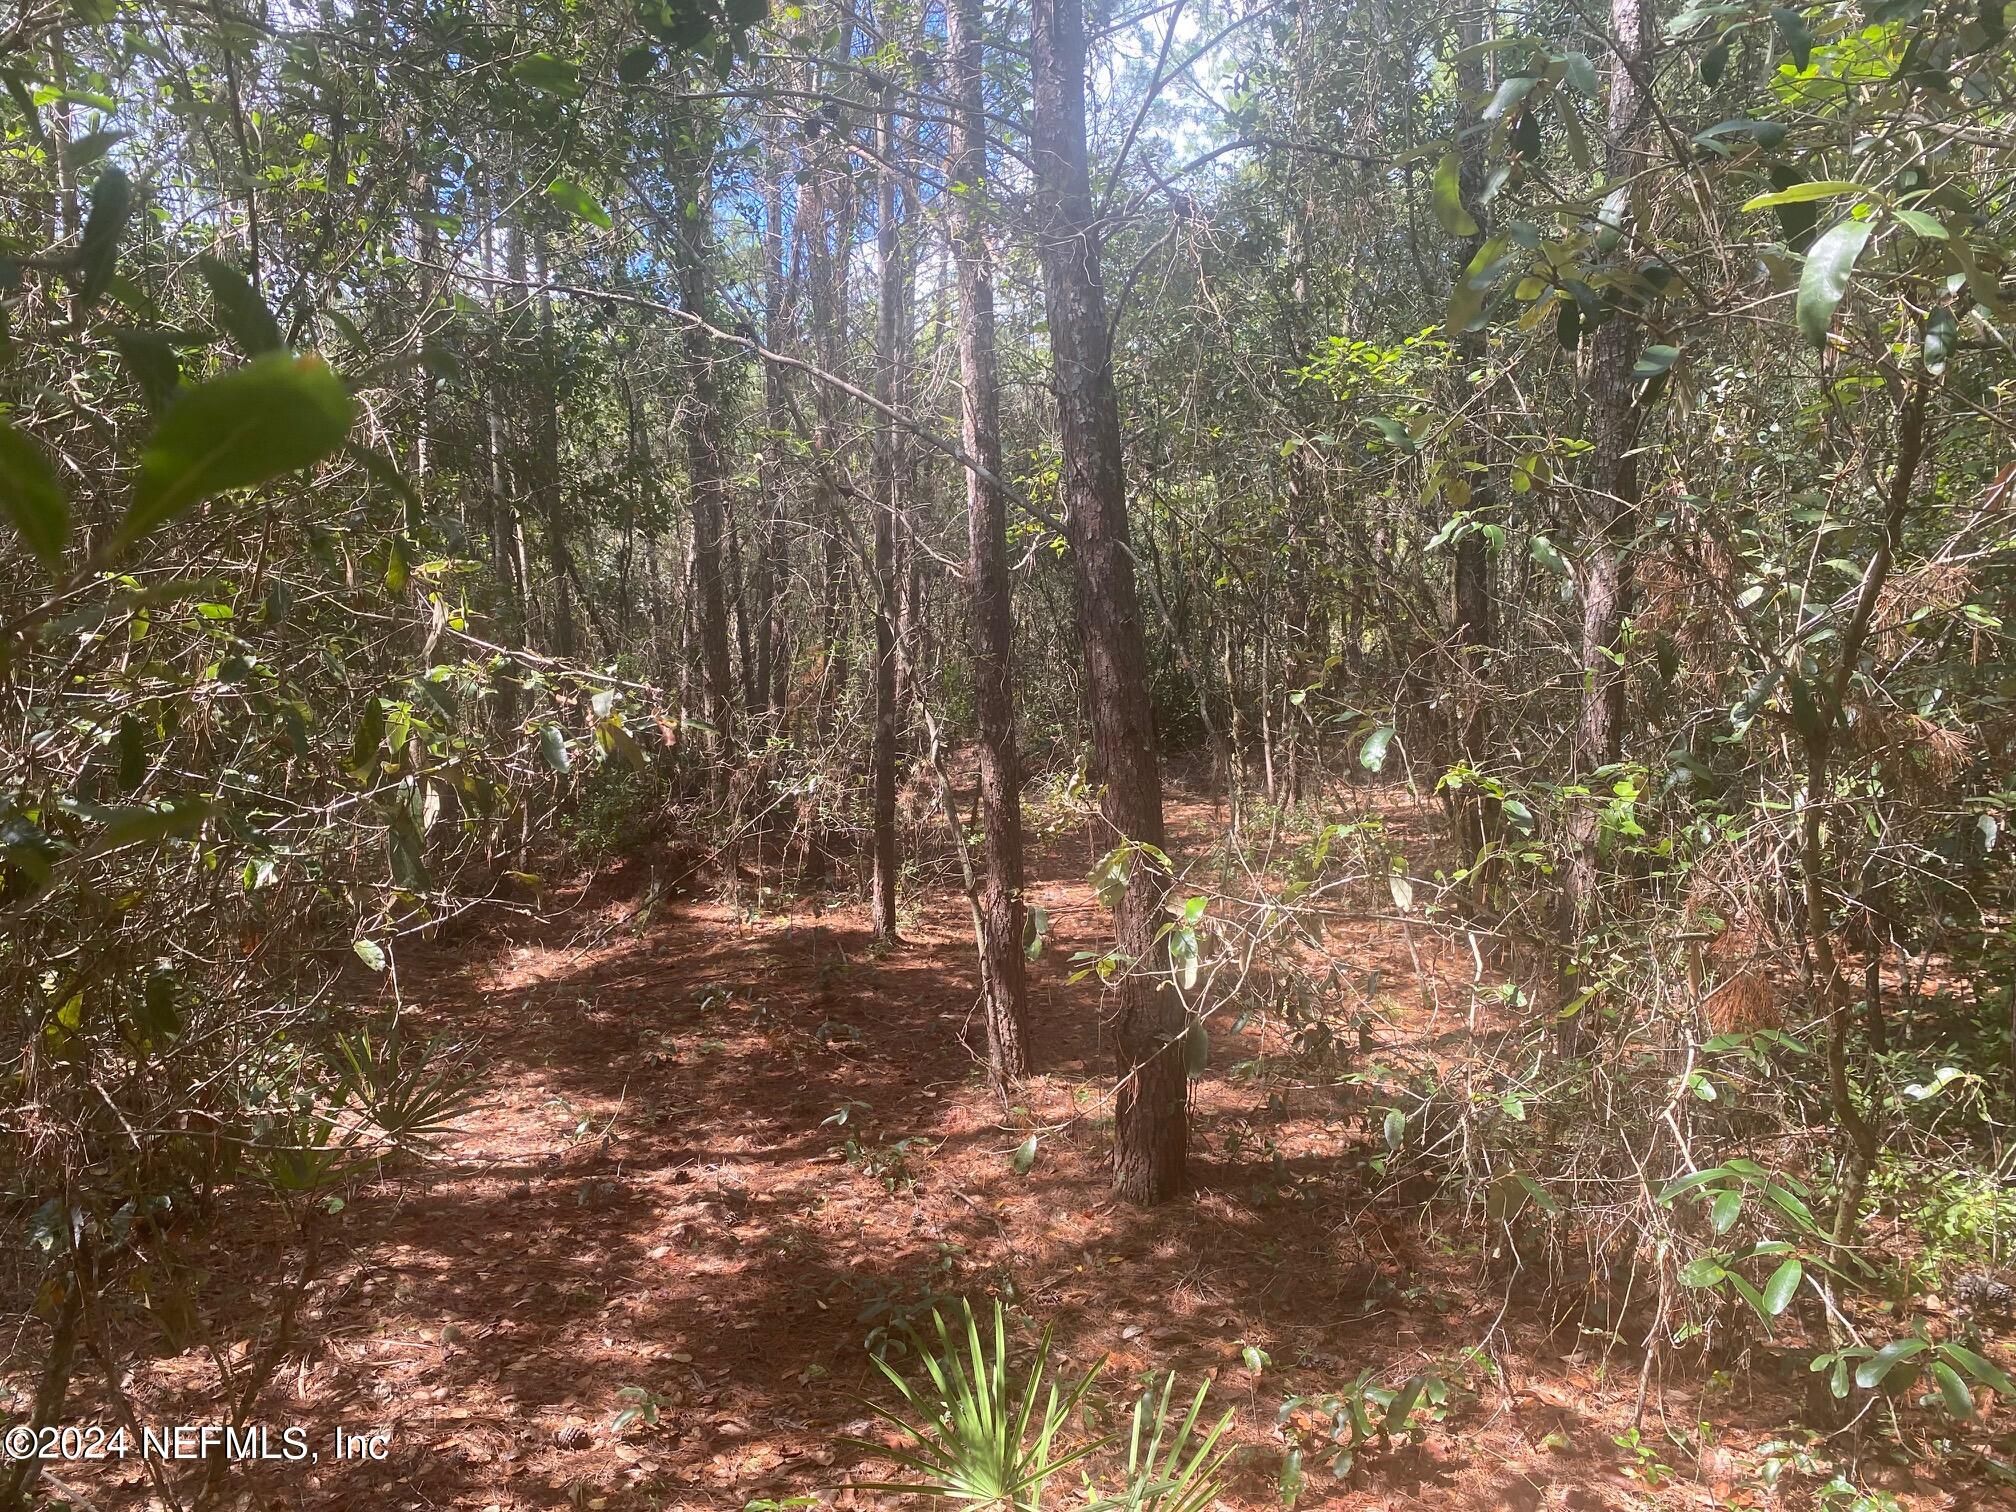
[{"x": 655, "y": 1192}]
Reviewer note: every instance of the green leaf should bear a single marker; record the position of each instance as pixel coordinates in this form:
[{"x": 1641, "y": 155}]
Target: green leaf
[
  {"x": 1825, "y": 281},
  {"x": 1920, "y": 223},
  {"x": 549, "y": 75},
  {"x": 1766, "y": 134},
  {"x": 1942, "y": 335},
  {"x": 1713, "y": 62},
  {"x": 273, "y": 415},
  {"x": 1987, "y": 1372},
  {"x": 1466, "y": 301},
  {"x": 578, "y": 202},
  {"x": 33, "y": 497},
  {"x": 1035, "y": 928},
  {"x": 240, "y": 311},
  {"x": 370, "y": 952},
  {"x": 553, "y": 750},
  {"x": 1870, "y": 1372},
  {"x": 1728, "y": 1206},
  {"x": 1807, "y": 193},
  {"x": 1396, "y": 1129},
  {"x": 1783, "y": 1285},
  {"x": 635, "y": 66},
  {"x": 1959, "y": 1400},
  {"x": 1702, "y": 1270},
  {"x": 1025, "y": 1155},
  {"x": 1654, "y": 361},
  {"x": 86, "y": 150},
  {"x": 150, "y": 357},
  {"x": 1793, "y": 32},
  {"x": 1372, "y": 755},
  {"x": 1548, "y": 555},
  {"x": 1448, "y": 186},
  {"x": 1196, "y": 1048},
  {"x": 98, "y": 249}
]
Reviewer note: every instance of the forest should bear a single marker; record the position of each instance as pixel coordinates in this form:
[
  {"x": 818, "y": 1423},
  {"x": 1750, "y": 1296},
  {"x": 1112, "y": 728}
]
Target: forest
[{"x": 1110, "y": 754}]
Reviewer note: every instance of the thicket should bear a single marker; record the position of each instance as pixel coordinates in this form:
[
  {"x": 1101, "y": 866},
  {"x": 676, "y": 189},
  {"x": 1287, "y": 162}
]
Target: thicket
[{"x": 434, "y": 435}]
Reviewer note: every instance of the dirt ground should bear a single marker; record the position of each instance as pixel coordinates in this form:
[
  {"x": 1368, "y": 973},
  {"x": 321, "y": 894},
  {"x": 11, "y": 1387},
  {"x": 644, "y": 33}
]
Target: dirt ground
[{"x": 657, "y": 1192}]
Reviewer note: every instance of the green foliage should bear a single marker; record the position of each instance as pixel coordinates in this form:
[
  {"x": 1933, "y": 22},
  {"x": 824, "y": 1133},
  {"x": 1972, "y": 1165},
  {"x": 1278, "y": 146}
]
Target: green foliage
[
  {"x": 1172, "y": 1465},
  {"x": 974, "y": 1432},
  {"x": 272, "y": 416}
]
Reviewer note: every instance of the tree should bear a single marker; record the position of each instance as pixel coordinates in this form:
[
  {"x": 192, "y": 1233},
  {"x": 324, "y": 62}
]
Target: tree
[
  {"x": 1001, "y": 912},
  {"x": 1151, "y": 1105}
]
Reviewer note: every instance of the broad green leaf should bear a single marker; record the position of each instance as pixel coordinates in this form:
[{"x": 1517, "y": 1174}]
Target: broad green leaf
[
  {"x": 240, "y": 311},
  {"x": 86, "y": 150},
  {"x": 1987, "y": 1372},
  {"x": 1870, "y": 1372},
  {"x": 1921, "y": 223},
  {"x": 1702, "y": 1270},
  {"x": 1548, "y": 555},
  {"x": 1793, "y": 32},
  {"x": 1395, "y": 1131},
  {"x": 150, "y": 357},
  {"x": 1372, "y": 755},
  {"x": 1508, "y": 94},
  {"x": 1713, "y": 62},
  {"x": 553, "y": 749},
  {"x": 1727, "y": 1208},
  {"x": 1449, "y": 210},
  {"x": 1784, "y": 1283},
  {"x": 1196, "y": 1048},
  {"x": 1766, "y": 134},
  {"x": 1807, "y": 193},
  {"x": 1025, "y": 1155},
  {"x": 273, "y": 415},
  {"x": 1942, "y": 335},
  {"x": 578, "y": 202},
  {"x": 549, "y": 74},
  {"x": 1466, "y": 301},
  {"x": 98, "y": 249},
  {"x": 636, "y": 65},
  {"x": 370, "y": 952},
  {"x": 1959, "y": 1400},
  {"x": 33, "y": 497},
  {"x": 1654, "y": 361},
  {"x": 1825, "y": 281}
]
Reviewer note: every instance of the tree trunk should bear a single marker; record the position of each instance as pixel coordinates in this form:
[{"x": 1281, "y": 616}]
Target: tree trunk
[
  {"x": 706, "y": 466},
  {"x": 1003, "y": 976},
  {"x": 1477, "y": 812},
  {"x": 1614, "y": 416},
  {"x": 888, "y": 323},
  {"x": 1151, "y": 1104}
]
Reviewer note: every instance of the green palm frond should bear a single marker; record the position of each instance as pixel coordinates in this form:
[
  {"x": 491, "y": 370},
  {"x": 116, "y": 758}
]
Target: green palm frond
[
  {"x": 1180, "y": 1478},
  {"x": 970, "y": 1434}
]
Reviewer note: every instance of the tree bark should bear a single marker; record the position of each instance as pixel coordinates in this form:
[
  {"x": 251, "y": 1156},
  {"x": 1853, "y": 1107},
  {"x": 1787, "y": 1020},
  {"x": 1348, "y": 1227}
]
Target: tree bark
[
  {"x": 1147, "y": 1016},
  {"x": 888, "y": 357},
  {"x": 706, "y": 464},
  {"x": 1003, "y": 974},
  {"x": 1476, "y": 813},
  {"x": 1614, "y": 416}
]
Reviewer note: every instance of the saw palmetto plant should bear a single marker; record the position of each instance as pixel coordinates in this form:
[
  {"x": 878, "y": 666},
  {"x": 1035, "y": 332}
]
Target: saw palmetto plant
[{"x": 976, "y": 1431}]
